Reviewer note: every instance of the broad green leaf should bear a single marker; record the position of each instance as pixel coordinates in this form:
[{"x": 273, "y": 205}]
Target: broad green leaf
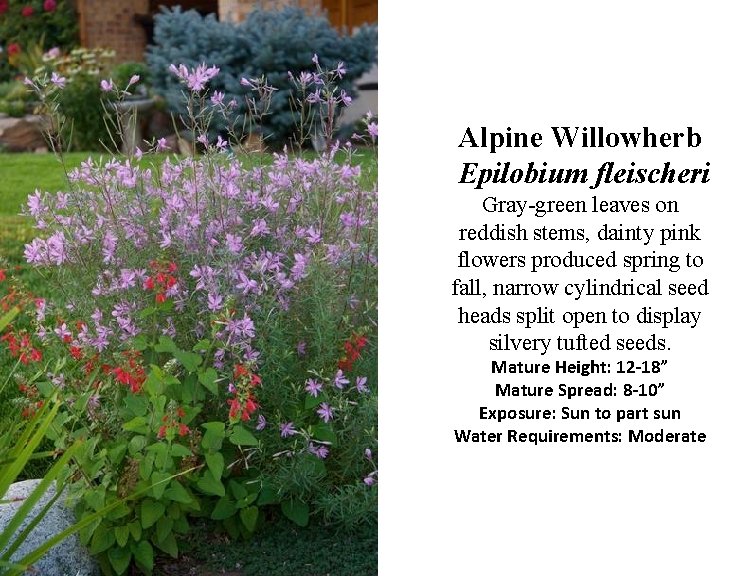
[
  {"x": 202, "y": 345},
  {"x": 243, "y": 437},
  {"x": 215, "y": 464},
  {"x": 150, "y": 512},
  {"x": 120, "y": 558},
  {"x": 225, "y": 508},
  {"x": 237, "y": 489},
  {"x": 160, "y": 481},
  {"x": 214, "y": 435},
  {"x": 103, "y": 538},
  {"x": 209, "y": 379},
  {"x": 312, "y": 401},
  {"x": 165, "y": 344},
  {"x": 122, "y": 535},
  {"x": 137, "y": 424},
  {"x": 144, "y": 556},
  {"x": 189, "y": 360},
  {"x": 137, "y": 444},
  {"x": 178, "y": 493},
  {"x": 161, "y": 451},
  {"x": 136, "y": 530},
  {"x": 169, "y": 545},
  {"x": 296, "y": 511},
  {"x": 249, "y": 517},
  {"x": 324, "y": 432},
  {"x": 164, "y": 526},
  {"x": 210, "y": 485},
  {"x": 180, "y": 451}
]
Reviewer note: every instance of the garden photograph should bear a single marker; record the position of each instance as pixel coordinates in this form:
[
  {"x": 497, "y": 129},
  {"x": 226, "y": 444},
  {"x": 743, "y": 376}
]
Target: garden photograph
[{"x": 188, "y": 287}]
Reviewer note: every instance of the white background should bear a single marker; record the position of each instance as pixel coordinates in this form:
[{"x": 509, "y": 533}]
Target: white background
[{"x": 588, "y": 509}]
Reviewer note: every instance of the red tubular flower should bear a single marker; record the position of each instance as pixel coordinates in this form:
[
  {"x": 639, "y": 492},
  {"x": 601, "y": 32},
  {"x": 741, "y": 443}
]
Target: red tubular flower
[{"x": 76, "y": 353}]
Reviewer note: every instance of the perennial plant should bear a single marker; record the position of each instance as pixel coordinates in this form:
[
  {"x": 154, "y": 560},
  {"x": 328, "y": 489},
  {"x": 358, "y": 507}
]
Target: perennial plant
[{"x": 217, "y": 321}]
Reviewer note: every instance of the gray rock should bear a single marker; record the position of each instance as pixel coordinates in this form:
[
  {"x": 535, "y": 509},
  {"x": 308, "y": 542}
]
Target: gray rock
[{"x": 69, "y": 558}]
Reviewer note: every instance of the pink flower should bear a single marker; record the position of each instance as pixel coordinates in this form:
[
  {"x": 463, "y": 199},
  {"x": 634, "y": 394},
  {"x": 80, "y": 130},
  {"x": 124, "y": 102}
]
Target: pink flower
[
  {"x": 107, "y": 85},
  {"x": 50, "y": 5},
  {"x": 3, "y": 6},
  {"x": 27, "y": 11}
]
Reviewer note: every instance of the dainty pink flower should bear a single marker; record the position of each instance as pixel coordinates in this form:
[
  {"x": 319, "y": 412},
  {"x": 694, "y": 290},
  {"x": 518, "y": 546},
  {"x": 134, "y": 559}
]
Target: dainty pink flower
[
  {"x": 107, "y": 85},
  {"x": 58, "y": 81}
]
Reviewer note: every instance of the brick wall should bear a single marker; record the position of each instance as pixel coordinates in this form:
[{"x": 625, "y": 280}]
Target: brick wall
[
  {"x": 111, "y": 24},
  {"x": 236, "y": 10}
]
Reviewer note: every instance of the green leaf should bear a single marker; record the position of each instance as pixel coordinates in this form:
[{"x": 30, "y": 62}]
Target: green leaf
[
  {"x": 103, "y": 538},
  {"x": 165, "y": 344},
  {"x": 296, "y": 511},
  {"x": 137, "y": 424},
  {"x": 144, "y": 556},
  {"x": 122, "y": 535},
  {"x": 136, "y": 405},
  {"x": 169, "y": 545},
  {"x": 215, "y": 464},
  {"x": 119, "y": 558},
  {"x": 189, "y": 360},
  {"x": 214, "y": 435},
  {"x": 225, "y": 508},
  {"x": 178, "y": 493},
  {"x": 267, "y": 496},
  {"x": 164, "y": 526},
  {"x": 139, "y": 343},
  {"x": 312, "y": 401},
  {"x": 150, "y": 512},
  {"x": 324, "y": 432},
  {"x": 238, "y": 490},
  {"x": 160, "y": 483},
  {"x": 146, "y": 465},
  {"x": 161, "y": 451},
  {"x": 116, "y": 454},
  {"x": 249, "y": 517},
  {"x": 243, "y": 437},
  {"x": 137, "y": 444},
  {"x": 180, "y": 451},
  {"x": 210, "y": 485},
  {"x": 209, "y": 379},
  {"x": 202, "y": 345},
  {"x": 136, "y": 530}
]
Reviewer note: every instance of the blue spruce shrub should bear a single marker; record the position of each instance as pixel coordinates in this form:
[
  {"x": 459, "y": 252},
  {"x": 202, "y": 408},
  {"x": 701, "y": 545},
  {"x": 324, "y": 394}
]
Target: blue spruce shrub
[{"x": 268, "y": 43}]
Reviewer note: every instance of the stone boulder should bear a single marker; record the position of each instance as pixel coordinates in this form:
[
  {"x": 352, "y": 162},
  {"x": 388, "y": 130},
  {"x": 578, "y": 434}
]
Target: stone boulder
[
  {"x": 68, "y": 558},
  {"x": 21, "y": 134}
]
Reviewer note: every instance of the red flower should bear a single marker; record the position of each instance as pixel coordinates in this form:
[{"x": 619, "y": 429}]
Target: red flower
[
  {"x": 50, "y": 5},
  {"x": 161, "y": 432},
  {"x": 3, "y": 6},
  {"x": 183, "y": 430},
  {"x": 27, "y": 11},
  {"x": 14, "y": 49},
  {"x": 2, "y": 276},
  {"x": 75, "y": 352}
]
